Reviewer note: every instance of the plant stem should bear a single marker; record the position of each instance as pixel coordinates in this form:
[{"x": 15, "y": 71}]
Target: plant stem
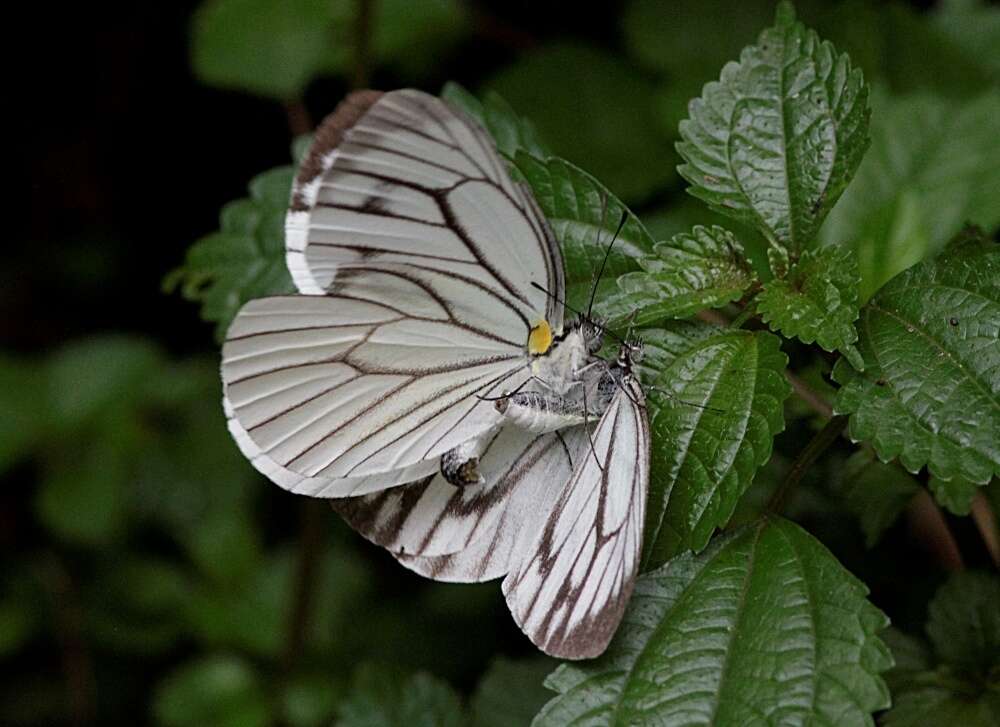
[
  {"x": 77, "y": 666},
  {"x": 812, "y": 451},
  {"x": 312, "y": 516},
  {"x": 748, "y": 312},
  {"x": 815, "y": 402},
  {"x": 927, "y": 523},
  {"x": 299, "y": 120},
  {"x": 362, "y": 44},
  {"x": 986, "y": 522}
]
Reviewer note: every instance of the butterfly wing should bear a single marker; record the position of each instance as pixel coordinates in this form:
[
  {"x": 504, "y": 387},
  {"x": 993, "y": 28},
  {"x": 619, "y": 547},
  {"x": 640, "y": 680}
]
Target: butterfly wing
[
  {"x": 467, "y": 534},
  {"x": 403, "y": 216},
  {"x": 575, "y": 576},
  {"x": 401, "y": 177}
]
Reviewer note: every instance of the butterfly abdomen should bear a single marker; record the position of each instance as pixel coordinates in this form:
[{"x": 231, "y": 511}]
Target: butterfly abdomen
[{"x": 541, "y": 412}]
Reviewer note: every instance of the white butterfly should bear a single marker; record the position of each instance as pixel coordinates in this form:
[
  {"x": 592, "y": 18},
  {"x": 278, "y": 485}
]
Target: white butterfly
[{"x": 428, "y": 347}]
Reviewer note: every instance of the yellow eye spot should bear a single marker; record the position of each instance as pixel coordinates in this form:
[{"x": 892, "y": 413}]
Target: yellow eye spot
[{"x": 540, "y": 338}]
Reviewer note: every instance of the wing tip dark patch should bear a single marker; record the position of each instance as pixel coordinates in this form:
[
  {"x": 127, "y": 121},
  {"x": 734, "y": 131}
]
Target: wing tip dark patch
[{"x": 328, "y": 136}]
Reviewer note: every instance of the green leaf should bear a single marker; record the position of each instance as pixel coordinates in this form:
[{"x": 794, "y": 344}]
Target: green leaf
[
  {"x": 714, "y": 412},
  {"x": 765, "y": 622},
  {"x": 875, "y": 492},
  {"x": 932, "y": 168},
  {"x": 310, "y": 700},
  {"x": 934, "y": 705},
  {"x": 510, "y": 132},
  {"x": 18, "y": 622},
  {"x": 817, "y": 300},
  {"x": 26, "y": 415},
  {"x": 955, "y": 494},
  {"x": 216, "y": 690},
  {"x": 595, "y": 110},
  {"x": 511, "y": 692},
  {"x": 703, "y": 268},
  {"x": 267, "y": 48},
  {"x": 413, "y": 36},
  {"x": 584, "y": 216},
  {"x": 245, "y": 259},
  {"x": 381, "y": 697},
  {"x": 930, "y": 392},
  {"x": 963, "y": 621},
  {"x": 775, "y": 141}
]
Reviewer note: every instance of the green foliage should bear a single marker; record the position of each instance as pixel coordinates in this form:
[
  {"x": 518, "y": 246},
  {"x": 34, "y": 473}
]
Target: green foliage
[
  {"x": 511, "y": 692},
  {"x": 595, "y": 111},
  {"x": 511, "y": 132},
  {"x": 954, "y": 678},
  {"x": 955, "y": 494},
  {"x": 381, "y": 697},
  {"x": 716, "y": 398},
  {"x": 245, "y": 259},
  {"x": 774, "y": 142},
  {"x": 931, "y": 169},
  {"x": 875, "y": 492},
  {"x": 703, "y": 268},
  {"x": 220, "y": 690},
  {"x": 276, "y": 49},
  {"x": 764, "y": 622},
  {"x": 584, "y": 216},
  {"x": 817, "y": 300},
  {"x": 929, "y": 391}
]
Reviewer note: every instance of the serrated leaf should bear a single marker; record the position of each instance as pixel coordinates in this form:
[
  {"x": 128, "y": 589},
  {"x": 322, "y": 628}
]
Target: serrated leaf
[
  {"x": 271, "y": 49},
  {"x": 817, "y": 300},
  {"x": 584, "y": 216},
  {"x": 382, "y": 697},
  {"x": 875, "y": 492},
  {"x": 955, "y": 494},
  {"x": 595, "y": 110},
  {"x": 930, "y": 392},
  {"x": 931, "y": 169},
  {"x": 511, "y": 692},
  {"x": 245, "y": 259},
  {"x": 715, "y": 399},
  {"x": 510, "y": 132},
  {"x": 963, "y": 621},
  {"x": 217, "y": 690},
  {"x": 764, "y": 625},
  {"x": 703, "y": 268},
  {"x": 775, "y": 141}
]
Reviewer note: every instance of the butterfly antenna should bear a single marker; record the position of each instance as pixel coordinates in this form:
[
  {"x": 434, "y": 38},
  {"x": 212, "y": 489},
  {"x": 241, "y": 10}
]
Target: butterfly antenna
[
  {"x": 574, "y": 310},
  {"x": 604, "y": 262},
  {"x": 681, "y": 401}
]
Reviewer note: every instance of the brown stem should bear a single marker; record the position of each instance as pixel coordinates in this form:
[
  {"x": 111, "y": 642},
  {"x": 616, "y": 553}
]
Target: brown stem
[
  {"x": 809, "y": 454},
  {"x": 76, "y": 663},
  {"x": 312, "y": 517},
  {"x": 362, "y": 43},
  {"x": 813, "y": 400},
  {"x": 928, "y": 525},
  {"x": 299, "y": 120},
  {"x": 986, "y": 522}
]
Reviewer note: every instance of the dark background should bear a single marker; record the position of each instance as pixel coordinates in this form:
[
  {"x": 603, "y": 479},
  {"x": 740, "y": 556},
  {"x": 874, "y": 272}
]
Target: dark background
[{"x": 121, "y": 160}]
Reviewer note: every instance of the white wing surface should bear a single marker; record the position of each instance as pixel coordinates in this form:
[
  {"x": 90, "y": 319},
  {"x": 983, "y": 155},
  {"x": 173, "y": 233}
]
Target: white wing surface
[{"x": 569, "y": 590}]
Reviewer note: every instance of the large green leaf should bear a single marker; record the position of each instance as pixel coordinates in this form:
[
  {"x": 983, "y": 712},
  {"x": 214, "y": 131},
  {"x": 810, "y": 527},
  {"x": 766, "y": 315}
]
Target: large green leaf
[
  {"x": 596, "y": 111},
  {"x": 716, "y": 404},
  {"x": 775, "y": 141},
  {"x": 932, "y": 167},
  {"x": 703, "y": 268},
  {"x": 584, "y": 216},
  {"x": 510, "y": 132},
  {"x": 245, "y": 259},
  {"x": 954, "y": 679},
  {"x": 930, "y": 392},
  {"x": 382, "y": 697},
  {"x": 817, "y": 300},
  {"x": 764, "y": 627}
]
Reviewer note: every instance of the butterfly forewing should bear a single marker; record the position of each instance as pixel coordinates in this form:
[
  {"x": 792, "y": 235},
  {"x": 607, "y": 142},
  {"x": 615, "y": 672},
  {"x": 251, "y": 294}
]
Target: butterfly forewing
[{"x": 421, "y": 253}]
